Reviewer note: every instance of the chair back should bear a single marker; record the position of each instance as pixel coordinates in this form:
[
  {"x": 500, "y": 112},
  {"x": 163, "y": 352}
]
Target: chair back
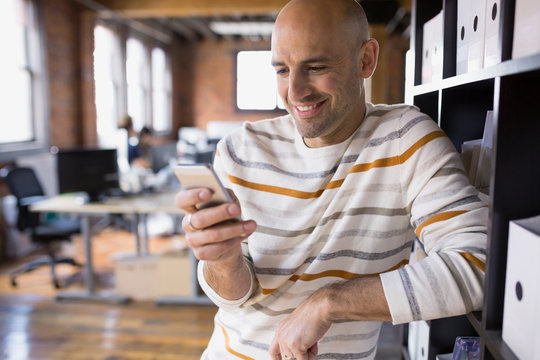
[{"x": 24, "y": 185}]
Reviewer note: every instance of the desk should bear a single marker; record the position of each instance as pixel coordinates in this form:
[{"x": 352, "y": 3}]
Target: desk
[{"x": 140, "y": 206}]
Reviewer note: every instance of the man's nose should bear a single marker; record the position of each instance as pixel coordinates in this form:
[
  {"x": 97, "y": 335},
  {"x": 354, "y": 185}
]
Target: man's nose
[{"x": 299, "y": 86}]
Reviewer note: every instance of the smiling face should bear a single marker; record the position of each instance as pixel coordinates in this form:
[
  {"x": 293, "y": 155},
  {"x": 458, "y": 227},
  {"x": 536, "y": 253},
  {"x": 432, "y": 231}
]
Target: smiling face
[{"x": 320, "y": 62}]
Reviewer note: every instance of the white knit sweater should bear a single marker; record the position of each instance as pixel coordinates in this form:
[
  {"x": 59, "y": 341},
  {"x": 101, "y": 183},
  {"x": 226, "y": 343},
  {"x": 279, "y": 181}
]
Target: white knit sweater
[{"x": 348, "y": 210}]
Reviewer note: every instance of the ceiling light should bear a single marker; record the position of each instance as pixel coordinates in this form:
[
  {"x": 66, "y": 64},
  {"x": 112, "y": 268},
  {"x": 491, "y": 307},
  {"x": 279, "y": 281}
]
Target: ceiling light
[{"x": 242, "y": 28}]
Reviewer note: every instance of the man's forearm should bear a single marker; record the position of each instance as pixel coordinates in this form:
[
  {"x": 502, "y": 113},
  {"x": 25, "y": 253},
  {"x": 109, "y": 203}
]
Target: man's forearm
[
  {"x": 357, "y": 299},
  {"x": 231, "y": 279}
]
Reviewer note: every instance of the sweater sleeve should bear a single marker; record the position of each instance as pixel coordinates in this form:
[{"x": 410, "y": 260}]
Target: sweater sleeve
[
  {"x": 450, "y": 221},
  {"x": 221, "y": 302}
]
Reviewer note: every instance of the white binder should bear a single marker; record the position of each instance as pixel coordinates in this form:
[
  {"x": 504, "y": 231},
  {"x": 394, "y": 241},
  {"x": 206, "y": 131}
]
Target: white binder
[
  {"x": 526, "y": 28},
  {"x": 492, "y": 16},
  {"x": 521, "y": 318}
]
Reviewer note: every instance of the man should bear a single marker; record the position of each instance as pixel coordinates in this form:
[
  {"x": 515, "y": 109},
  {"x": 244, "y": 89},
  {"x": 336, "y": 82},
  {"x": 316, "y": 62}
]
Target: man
[{"x": 339, "y": 189}]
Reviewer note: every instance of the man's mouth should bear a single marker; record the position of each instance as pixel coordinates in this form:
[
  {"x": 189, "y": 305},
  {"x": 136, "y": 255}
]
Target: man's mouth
[{"x": 307, "y": 110}]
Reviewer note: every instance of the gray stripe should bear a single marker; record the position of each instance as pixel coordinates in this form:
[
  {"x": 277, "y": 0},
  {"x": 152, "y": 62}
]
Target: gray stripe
[
  {"x": 442, "y": 194},
  {"x": 434, "y": 284},
  {"x": 460, "y": 281},
  {"x": 241, "y": 340},
  {"x": 448, "y": 171},
  {"x": 473, "y": 249},
  {"x": 318, "y": 209},
  {"x": 350, "y": 337},
  {"x": 251, "y": 143},
  {"x": 269, "y": 136},
  {"x": 270, "y": 312},
  {"x": 353, "y": 232},
  {"x": 335, "y": 216},
  {"x": 409, "y": 290},
  {"x": 271, "y": 167},
  {"x": 361, "y": 255},
  {"x": 399, "y": 133},
  {"x": 460, "y": 202},
  {"x": 336, "y": 356}
]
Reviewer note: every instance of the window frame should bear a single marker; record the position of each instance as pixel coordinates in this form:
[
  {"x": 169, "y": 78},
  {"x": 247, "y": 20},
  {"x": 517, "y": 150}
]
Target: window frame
[
  {"x": 276, "y": 111},
  {"x": 38, "y": 93}
]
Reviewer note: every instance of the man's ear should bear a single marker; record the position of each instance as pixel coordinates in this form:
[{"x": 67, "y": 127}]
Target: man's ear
[{"x": 369, "y": 54}]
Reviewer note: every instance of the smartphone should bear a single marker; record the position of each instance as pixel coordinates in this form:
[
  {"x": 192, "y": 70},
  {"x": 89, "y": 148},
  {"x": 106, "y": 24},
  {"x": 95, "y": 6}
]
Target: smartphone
[{"x": 202, "y": 175}]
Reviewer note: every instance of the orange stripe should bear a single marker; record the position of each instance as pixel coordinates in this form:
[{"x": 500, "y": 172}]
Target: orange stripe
[
  {"x": 334, "y": 273},
  {"x": 399, "y": 159},
  {"x": 275, "y": 189},
  {"x": 474, "y": 260},
  {"x": 439, "y": 217},
  {"x": 385, "y": 162},
  {"x": 231, "y": 350}
]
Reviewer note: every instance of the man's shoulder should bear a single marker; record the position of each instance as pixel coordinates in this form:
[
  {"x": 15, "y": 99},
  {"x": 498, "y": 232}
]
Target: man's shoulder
[{"x": 391, "y": 110}]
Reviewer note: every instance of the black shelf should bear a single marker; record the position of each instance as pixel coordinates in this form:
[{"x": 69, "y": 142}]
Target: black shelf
[
  {"x": 506, "y": 68},
  {"x": 492, "y": 339},
  {"x": 459, "y": 104}
]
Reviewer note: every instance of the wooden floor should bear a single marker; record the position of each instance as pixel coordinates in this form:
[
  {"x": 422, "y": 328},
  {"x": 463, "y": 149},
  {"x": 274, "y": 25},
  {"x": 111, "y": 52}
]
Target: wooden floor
[{"x": 35, "y": 326}]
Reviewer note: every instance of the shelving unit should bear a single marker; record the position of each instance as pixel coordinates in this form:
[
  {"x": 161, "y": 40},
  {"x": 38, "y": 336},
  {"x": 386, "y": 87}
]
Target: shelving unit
[{"x": 459, "y": 104}]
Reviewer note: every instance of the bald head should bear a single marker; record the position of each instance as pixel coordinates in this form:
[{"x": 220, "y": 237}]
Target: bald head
[{"x": 345, "y": 19}]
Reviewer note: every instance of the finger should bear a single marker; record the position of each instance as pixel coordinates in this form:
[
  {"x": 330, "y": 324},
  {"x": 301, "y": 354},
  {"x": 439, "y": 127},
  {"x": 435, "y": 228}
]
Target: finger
[
  {"x": 187, "y": 199},
  {"x": 219, "y": 233},
  {"x": 211, "y": 216},
  {"x": 219, "y": 251},
  {"x": 274, "y": 350}
]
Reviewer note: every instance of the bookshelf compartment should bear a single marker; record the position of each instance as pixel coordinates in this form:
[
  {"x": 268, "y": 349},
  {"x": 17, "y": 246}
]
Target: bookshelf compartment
[{"x": 464, "y": 109}]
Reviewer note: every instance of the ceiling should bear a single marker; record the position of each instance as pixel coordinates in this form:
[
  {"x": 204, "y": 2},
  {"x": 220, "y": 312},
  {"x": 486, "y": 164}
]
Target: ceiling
[{"x": 196, "y": 20}]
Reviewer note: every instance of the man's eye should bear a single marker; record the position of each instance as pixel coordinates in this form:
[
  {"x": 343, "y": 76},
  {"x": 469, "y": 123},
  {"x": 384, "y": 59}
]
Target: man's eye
[
  {"x": 316, "y": 68},
  {"x": 281, "y": 71}
]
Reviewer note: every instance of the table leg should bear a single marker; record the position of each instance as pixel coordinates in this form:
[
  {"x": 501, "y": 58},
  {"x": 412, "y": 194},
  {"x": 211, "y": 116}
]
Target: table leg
[
  {"x": 90, "y": 292},
  {"x": 144, "y": 218}
]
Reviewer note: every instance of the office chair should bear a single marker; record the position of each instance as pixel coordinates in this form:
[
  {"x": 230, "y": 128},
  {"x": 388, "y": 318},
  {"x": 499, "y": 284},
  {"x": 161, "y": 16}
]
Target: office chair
[{"x": 24, "y": 185}]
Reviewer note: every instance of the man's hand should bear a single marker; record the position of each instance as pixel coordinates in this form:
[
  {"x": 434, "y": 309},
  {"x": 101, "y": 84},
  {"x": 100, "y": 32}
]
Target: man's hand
[
  {"x": 214, "y": 235},
  {"x": 298, "y": 334},
  {"x": 356, "y": 299}
]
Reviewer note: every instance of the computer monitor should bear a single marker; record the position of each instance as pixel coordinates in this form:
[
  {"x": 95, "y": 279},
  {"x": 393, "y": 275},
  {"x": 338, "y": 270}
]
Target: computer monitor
[
  {"x": 162, "y": 154},
  {"x": 94, "y": 171}
]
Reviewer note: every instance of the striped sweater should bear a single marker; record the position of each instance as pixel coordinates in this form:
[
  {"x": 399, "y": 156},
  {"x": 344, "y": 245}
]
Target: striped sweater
[{"x": 344, "y": 211}]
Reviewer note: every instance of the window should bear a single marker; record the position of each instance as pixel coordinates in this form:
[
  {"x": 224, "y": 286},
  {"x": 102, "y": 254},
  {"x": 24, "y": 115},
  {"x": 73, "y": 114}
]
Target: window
[
  {"x": 107, "y": 70},
  {"x": 138, "y": 87},
  {"x": 256, "y": 86},
  {"x": 161, "y": 91},
  {"x": 21, "y": 89},
  {"x": 145, "y": 91}
]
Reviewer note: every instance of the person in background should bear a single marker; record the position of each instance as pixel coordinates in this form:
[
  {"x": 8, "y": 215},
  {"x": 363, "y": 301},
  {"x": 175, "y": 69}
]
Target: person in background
[
  {"x": 138, "y": 144},
  {"x": 332, "y": 197}
]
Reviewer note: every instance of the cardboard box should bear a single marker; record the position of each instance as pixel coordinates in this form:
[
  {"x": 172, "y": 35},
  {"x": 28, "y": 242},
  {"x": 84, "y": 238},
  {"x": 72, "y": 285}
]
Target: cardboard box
[
  {"x": 175, "y": 274},
  {"x": 521, "y": 318},
  {"x": 152, "y": 276},
  {"x": 526, "y": 28},
  {"x": 136, "y": 276}
]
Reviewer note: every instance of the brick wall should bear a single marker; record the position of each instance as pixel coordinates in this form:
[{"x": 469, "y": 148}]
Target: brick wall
[
  {"x": 214, "y": 84},
  {"x": 69, "y": 62}
]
